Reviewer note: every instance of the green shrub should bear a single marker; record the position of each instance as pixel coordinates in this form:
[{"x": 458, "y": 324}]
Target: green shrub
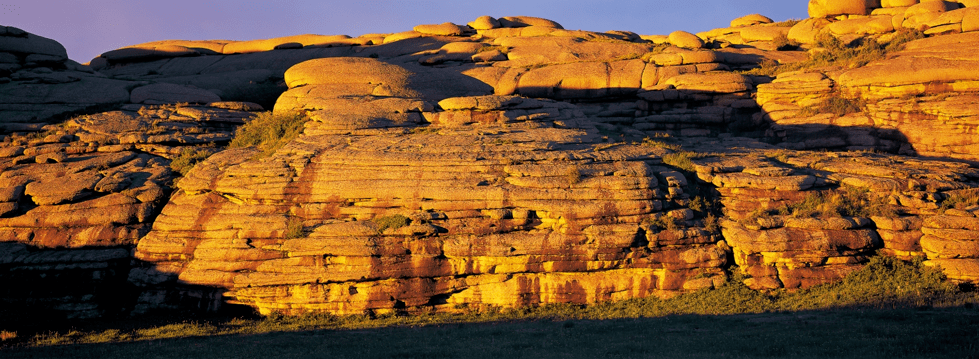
[
  {"x": 269, "y": 132},
  {"x": 781, "y": 42},
  {"x": 189, "y": 157},
  {"x": 572, "y": 174},
  {"x": 849, "y": 202},
  {"x": 669, "y": 223},
  {"x": 697, "y": 204},
  {"x": 392, "y": 222},
  {"x": 711, "y": 223},
  {"x": 837, "y": 105},
  {"x": 294, "y": 228}
]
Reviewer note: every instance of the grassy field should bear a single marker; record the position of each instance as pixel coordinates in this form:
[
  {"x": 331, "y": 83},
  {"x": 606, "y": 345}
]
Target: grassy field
[
  {"x": 889, "y": 309},
  {"x": 841, "y": 333}
]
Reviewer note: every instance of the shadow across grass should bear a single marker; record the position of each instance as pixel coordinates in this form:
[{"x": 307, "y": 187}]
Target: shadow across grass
[
  {"x": 841, "y": 333},
  {"x": 889, "y": 308}
]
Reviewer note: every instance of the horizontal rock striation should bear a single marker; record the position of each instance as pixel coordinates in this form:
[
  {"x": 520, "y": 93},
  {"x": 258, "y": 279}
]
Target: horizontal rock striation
[
  {"x": 794, "y": 219},
  {"x": 503, "y": 201},
  {"x": 504, "y": 163},
  {"x": 76, "y": 198}
]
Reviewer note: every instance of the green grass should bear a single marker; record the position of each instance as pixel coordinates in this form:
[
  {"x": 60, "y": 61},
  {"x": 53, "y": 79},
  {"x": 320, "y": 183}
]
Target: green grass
[
  {"x": 269, "y": 132},
  {"x": 189, "y": 157}
]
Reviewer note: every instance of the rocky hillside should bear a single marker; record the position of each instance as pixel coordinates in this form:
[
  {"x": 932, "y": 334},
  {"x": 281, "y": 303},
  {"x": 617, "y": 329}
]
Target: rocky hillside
[{"x": 508, "y": 162}]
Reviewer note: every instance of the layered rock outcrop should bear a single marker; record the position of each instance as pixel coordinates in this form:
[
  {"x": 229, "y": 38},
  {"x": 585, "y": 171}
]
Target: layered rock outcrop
[
  {"x": 38, "y": 82},
  {"x": 920, "y": 101},
  {"x": 505, "y": 201},
  {"x": 505, "y": 163},
  {"x": 77, "y": 197}
]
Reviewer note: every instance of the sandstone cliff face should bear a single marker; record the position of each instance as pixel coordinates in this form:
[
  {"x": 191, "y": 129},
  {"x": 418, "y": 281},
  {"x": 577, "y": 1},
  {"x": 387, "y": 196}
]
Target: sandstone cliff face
[
  {"x": 507, "y": 201},
  {"x": 506, "y": 163}
]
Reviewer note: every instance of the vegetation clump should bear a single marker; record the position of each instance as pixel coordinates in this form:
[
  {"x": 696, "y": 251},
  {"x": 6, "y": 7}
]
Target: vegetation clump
[
  {"x": 681, "y": 160},
  {"x": 295, "y": 228},
  {"x": 189, "y": 157},
  {"x": 962, "y": 200},
  {"x": 830, "y": 51},
  {"x": 649, "y": 142},
  {"x": 268, "y": 132},
  {"x": 391, "y": 222},
  {"x": 847, "y": 202},
  {"x": 836, "y": 105}
]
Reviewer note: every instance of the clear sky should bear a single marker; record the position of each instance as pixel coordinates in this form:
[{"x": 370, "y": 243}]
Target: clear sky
[{"x": 90, "y": 27}]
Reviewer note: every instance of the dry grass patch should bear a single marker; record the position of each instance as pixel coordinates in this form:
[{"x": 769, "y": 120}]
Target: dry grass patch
[
  {"x": 268, "y": 132},
  {"x": 189, "y": 157},
  {"x": 829, "y": 51}
]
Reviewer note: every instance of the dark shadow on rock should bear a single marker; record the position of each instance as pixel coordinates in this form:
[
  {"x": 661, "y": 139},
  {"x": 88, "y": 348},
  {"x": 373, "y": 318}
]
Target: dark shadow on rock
[{"x": 47, "y": 289}]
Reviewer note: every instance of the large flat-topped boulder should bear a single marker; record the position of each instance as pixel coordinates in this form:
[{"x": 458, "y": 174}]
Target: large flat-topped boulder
[
  {"x": 38, "y": 83},
  {"x": 528, "y": 51},
  {"x": 940, "y": 60},
  {"x": 826, "y": 8},
  {"x": 349, "y": 71},
  {"x": 176, "y": 48},
  {"x": 326, "y": 88},
  {"x": 521, "y": 21},
  {"x": 14, "y": 40}
]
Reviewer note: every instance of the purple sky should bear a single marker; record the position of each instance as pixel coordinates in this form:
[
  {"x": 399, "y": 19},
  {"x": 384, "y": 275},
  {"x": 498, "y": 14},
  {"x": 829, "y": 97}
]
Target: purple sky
[{"x": 89, "y": 28}]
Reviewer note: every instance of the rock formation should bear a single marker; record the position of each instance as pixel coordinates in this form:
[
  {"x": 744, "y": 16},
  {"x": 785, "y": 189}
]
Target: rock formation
[{"x": 504, "y": 163}]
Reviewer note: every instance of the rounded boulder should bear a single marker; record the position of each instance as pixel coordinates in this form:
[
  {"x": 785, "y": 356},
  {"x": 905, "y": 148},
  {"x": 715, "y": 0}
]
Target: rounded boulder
[
  {"x": 686, "y": 40},
  {"x": 443, "y": 29},
  {"x": 524, "y": 21},
  {"x": 826, "y": 8},
  {"x": 484, "y": 23},
  {"x": 897, "y": 3},
  {"x": 748, "y": 20}
]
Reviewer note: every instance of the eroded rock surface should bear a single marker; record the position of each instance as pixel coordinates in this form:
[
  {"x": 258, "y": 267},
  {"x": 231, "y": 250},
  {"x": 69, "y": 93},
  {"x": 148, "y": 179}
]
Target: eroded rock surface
[{"x": 508, "y": 162}]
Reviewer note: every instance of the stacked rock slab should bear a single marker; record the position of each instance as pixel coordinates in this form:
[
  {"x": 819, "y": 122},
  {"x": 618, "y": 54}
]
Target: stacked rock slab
[
  {"x": 950, "y": 243},
  {"x": 38, "y": 82},
  {"x": 778, "y": 247},
  {"x": 919, "y": 101},
  {"x": 77, "y": 197},
  {"x": 505, "y": 201}
]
